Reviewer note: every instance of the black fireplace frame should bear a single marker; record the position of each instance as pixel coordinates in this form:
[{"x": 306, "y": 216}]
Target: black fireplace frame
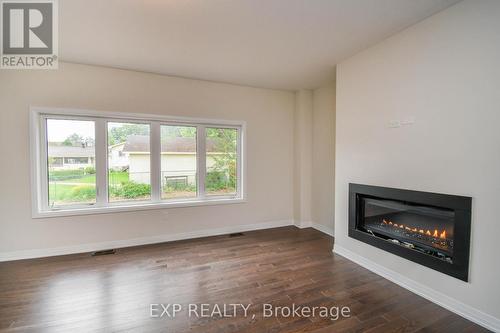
[{"x": 461, "y": 205}]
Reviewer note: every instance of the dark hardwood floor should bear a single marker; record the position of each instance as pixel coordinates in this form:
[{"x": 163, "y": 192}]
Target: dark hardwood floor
[{"x": 279, "y": 266}]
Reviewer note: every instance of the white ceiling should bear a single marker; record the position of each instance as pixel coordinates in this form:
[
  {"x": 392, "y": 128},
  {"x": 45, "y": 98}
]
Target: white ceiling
[{"x": 284, "y": 44}]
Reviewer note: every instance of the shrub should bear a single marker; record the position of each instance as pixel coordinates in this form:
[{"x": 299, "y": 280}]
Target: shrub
[
  {"x": 179, "y": 187},
  {"x": 82, "y": 192},
  {"x": 216, "y": 180},
  {"x": 219, "y": 180},
  {"x": 132, "y": 190},
  {"x": 89, "y": 170},
  {"x": 115, "y": 191}
]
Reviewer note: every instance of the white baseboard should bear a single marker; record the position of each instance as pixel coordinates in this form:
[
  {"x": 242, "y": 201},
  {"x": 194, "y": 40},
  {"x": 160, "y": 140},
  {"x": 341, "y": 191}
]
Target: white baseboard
[
  {"x": 323, "y": 228},
  {"x": 38, "y": 253},
  {"x": 317, "y": 226},
  {"x": 432, "y": 295},
  {"x": 302, "y": 224}
]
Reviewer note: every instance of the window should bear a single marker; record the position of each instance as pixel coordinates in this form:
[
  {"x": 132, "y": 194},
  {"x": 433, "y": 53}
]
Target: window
[
  {"x": 176, "y": 181},
  {"x": 178, "y": 162},
  {"x": 71, "y": 180},
  {"x": 221, "y": 161},
  {"x": 76, "y": 160},
  {"x": 91, "y": 162},
  {"x": 56, "y": 161},
  {"x": 129, "y": 179}
]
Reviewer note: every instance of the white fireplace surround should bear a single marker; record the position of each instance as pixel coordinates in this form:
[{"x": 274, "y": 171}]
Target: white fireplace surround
[{"x": 420, "y": 111}]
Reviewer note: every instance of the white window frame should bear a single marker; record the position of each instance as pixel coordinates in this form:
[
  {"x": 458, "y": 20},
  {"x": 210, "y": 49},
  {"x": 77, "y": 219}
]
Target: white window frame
[{"x": 39, "y": 179}]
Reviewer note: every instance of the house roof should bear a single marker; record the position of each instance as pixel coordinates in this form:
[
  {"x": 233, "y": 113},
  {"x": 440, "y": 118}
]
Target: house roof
[
  {"x": 140, "y": 143},
  {"x": 70, "y": 151},
  {"x": 116, "y": 145}
]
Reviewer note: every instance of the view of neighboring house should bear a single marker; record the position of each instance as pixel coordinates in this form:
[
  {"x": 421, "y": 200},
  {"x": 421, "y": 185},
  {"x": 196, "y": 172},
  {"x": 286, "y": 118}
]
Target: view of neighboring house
[
  {"x": 64, "y": 157},
  {"x": 118, "y": 159},
  {"x": 178, "y": 159}
]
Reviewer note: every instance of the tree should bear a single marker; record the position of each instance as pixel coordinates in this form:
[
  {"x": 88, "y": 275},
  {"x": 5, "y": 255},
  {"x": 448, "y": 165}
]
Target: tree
[
  {"x": 178, "y": 132},
  {"x": 73, "y": 140},
  {"x": 89, "y": 142},
  {"x": 225, "y": 142},
  {"x": 119, "y": 134}
]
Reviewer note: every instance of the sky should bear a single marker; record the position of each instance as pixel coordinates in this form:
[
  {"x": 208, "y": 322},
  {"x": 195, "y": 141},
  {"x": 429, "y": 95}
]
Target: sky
[{"x": 58, "y": 130}]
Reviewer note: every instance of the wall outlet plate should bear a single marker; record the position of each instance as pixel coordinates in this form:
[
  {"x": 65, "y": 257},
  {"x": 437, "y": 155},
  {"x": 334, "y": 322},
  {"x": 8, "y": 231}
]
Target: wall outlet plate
[
  {"x": 408, "y": 121},
  {"x": 394, "y": 124}
]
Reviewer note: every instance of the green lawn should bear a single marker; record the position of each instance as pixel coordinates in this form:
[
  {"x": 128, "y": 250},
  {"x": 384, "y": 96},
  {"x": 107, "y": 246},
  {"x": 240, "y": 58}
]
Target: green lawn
[
  {"x": 118, "y": 178},
  {"x": 89, "y": 179},
  {"x": 114, "y": 178},
  {"x": 72, "y": 186},
  {"x": 65, "y": 194},
  {"x": 81, "y": 189}
]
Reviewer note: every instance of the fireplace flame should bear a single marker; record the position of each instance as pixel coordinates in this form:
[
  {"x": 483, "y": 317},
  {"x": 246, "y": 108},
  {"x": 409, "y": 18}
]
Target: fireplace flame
[{"x": 436, "y": 233}]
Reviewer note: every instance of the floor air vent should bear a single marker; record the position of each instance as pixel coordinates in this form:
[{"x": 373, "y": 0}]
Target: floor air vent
[
  {"x": 103, "y": 252},
  {"x": 237, "y": 234}
]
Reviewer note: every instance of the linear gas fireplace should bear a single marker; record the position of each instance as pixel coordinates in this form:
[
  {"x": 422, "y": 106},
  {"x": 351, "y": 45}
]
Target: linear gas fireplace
[{"x": 427, "y": 228}]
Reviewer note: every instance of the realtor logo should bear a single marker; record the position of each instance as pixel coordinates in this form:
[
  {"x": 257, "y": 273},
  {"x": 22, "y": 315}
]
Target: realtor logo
[{"x": 29, "y": 34}]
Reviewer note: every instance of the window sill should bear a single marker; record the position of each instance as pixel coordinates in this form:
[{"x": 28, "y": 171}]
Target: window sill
[{"x": 134, "y": 207}]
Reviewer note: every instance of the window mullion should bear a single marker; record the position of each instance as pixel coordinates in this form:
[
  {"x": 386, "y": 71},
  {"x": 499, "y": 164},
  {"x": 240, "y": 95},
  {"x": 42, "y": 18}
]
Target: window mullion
[
  {"x": 101, "y": 162},
  {"x": 43, "y": 158},
  {"x": 155, "y": 161},
  {"x": 201, "y": 159},
  {"x": 239, "y": 164}
]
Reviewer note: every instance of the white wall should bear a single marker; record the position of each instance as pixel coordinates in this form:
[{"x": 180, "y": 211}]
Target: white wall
[
  {"x": 117, "y": 161},
  {"x": 139, "y": 168},
  {"x": 270, "y": 119},
  {"x": 445, "y": 72},
  {"x": 323, "y": 158},
  {"x": 314, "y": 146}
]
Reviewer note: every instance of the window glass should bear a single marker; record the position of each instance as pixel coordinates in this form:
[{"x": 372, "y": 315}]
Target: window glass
[
  {"x": 178, "y": 162},
  {"x": 221, "y": 161},
  {"x": 129, "y": 162},
  {"x": 70, "y": 162}
]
